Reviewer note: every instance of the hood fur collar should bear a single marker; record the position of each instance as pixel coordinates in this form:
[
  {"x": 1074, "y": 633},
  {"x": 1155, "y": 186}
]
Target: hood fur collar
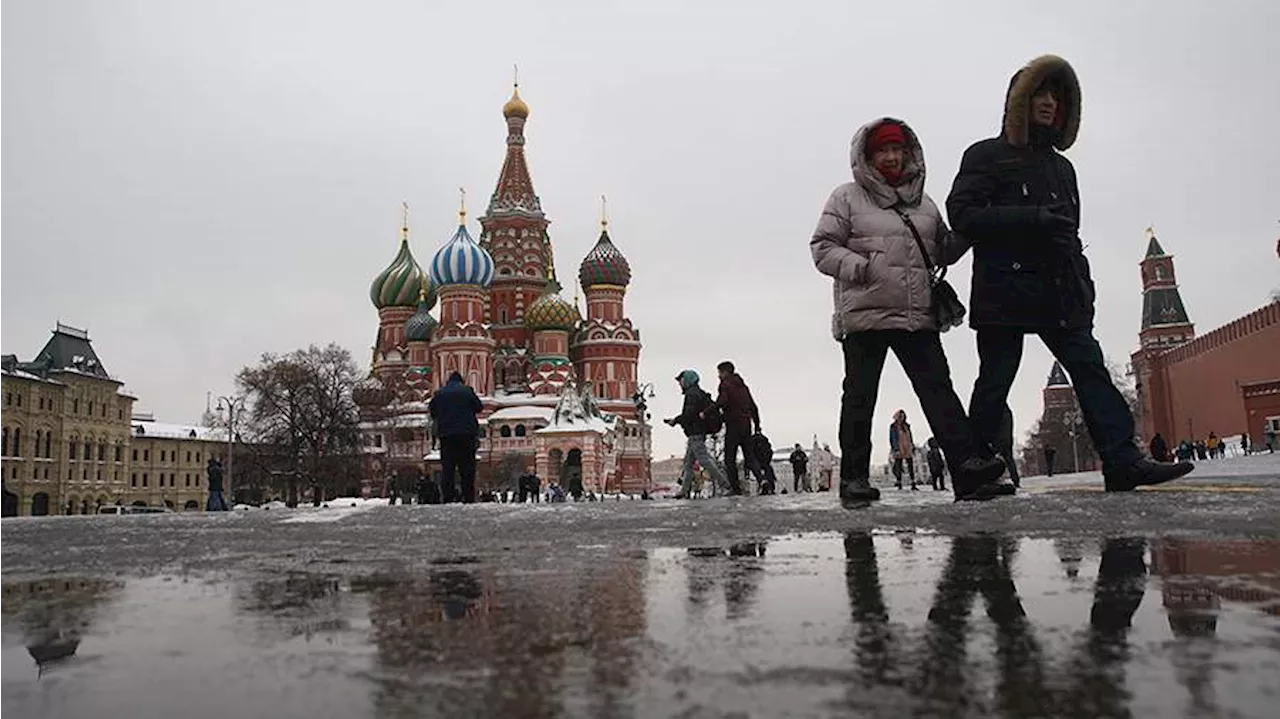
[
  {"x": 1017, "y": 104},
  {"x": 910, "y": 190}
]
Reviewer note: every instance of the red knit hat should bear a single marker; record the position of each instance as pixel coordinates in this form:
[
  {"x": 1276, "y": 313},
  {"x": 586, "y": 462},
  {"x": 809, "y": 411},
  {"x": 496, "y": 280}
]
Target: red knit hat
[{"x": 885, "y": 133}]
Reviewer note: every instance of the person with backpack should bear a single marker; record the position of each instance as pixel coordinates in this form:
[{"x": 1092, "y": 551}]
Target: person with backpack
[
  {"x": 740, "y": 413},
  {"x": 698, "y": 418}
]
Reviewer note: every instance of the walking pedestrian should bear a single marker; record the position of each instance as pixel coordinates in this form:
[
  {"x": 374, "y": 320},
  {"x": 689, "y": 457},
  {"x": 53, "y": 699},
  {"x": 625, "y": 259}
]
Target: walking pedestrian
[
  {"x": 799, "y": 469},
  {"x": 1269, "y": 434},
  {"x": 937, "y": 467},
  {"x": 741, "y": 417},
  {"x": 1049, "y": 455},
  {"x": 871, "y": 240},
  {"x": 1016, "y": 200},
  {"x": 902, "y": 448},
  {"x": 1159, "y": 448},
  {"x": 454, "y": 408},
  {"x": 697, "y": 423},
  {"x": 217, "y": 502}
]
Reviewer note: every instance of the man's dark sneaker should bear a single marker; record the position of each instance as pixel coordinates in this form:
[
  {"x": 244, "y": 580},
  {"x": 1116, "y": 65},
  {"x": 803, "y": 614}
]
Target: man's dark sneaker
[
  {"x": 857, "y": 493},
  {"x": 978, "y": 480},
  {"x": 1144, "y": 473}
]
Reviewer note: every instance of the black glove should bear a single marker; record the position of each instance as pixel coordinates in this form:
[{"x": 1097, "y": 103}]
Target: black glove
[{"x": 1056, "y": 218}]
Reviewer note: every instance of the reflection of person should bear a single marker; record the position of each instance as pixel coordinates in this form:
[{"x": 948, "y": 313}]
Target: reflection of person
[
  {"x": 876, "y": 643},
  {"x": 980, "y": 565},
  {"x": 1016, "y": 199},
  {"x": 454, "y": 408},
  {"x": 216, "y": 503}
]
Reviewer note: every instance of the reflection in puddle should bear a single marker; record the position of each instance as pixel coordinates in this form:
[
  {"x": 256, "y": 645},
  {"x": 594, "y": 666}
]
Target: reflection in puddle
[{"x": 859, "y": 624}]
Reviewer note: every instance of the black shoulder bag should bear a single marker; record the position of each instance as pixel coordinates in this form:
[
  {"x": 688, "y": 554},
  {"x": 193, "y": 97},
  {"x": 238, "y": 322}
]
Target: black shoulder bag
[{"x": 946, "y": 306}]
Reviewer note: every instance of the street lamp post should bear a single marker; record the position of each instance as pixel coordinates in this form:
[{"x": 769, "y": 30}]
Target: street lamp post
[
  {"x": 231, "y": 405},
  {"x": 644, "y": 392},
  {"x": 1072, "y": 419}
]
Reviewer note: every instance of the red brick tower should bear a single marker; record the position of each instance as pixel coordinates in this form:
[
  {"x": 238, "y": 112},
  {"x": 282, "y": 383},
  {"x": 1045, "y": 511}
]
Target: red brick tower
[
  {"x": 1165, "y": 325},
  {"x": 514, "y": 232},
  {"x": 606, "y": 350}
]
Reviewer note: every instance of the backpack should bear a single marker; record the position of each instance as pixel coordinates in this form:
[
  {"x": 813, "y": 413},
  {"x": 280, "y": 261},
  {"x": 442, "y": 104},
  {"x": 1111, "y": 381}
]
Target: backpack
[{"x": 712, "y": 417}]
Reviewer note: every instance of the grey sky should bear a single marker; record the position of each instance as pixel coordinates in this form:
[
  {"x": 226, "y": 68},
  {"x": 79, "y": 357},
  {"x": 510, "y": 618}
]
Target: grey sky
[{"x": 197, "y": 183}]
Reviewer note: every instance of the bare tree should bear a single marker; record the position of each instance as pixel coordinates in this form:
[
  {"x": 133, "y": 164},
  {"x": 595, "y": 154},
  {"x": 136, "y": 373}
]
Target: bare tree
[{"x": 301, "y": 414}]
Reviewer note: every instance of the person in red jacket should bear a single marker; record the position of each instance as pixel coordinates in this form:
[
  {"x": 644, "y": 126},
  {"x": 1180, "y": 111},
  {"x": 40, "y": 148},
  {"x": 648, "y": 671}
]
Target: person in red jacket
[{"x": 740, "y": 416}]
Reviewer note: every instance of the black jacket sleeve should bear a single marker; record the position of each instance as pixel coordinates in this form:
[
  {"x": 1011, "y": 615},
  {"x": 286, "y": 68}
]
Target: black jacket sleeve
[{"x": 970, "y": 205}]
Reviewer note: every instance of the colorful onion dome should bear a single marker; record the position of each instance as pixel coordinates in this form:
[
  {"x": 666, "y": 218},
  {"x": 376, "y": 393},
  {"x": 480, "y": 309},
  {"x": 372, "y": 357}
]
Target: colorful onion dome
[
  {"x": 462, "y": 262},
  {"x": 551, "y": 311},
  {"x": 421, "y": 325},
  {"x": 397, "y": 286},
  {"x": 604, "y": 265},
  {"x": 515, "y": 107}
]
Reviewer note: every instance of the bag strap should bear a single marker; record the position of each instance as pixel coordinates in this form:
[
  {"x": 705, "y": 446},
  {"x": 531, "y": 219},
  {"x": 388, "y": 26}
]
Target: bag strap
[{"x": 924, "y": 252}]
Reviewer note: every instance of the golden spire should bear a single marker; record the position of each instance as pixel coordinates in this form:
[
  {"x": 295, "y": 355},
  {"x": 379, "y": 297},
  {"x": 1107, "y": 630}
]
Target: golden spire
[
  {"x": 404, "y": 221},
  {"x": 604, "y": 213},
  {"x": 462, "y": 205},
  {"x": 515, "y": 107},
  {"x": 422, "y": 290}
]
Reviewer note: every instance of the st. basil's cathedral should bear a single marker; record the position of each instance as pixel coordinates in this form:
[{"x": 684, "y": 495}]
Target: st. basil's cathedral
[{"x": 560, "y": 391}]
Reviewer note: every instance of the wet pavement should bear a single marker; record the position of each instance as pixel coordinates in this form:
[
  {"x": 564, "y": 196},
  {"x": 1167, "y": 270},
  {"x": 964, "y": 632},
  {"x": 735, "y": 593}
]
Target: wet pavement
[{"x": 1063, "y": 602}]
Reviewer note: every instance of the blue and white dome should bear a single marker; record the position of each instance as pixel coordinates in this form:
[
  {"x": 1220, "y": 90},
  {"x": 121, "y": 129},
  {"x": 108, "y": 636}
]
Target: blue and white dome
[{"x": 461, "y": 262}]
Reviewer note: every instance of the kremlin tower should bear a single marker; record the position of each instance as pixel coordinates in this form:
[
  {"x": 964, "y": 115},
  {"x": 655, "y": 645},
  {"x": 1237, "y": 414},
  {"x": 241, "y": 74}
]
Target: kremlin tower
[
  {"x": 1165, "y": 325},
  {"x": 558, "y": 390}
]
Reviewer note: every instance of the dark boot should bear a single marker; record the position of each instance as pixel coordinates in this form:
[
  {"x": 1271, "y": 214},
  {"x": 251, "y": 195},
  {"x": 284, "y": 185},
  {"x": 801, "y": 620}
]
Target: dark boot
[
  {"x": 1144, "y": 473},
  {"x": 857, "y": 492},
  {"x": 978, "y": 480}
]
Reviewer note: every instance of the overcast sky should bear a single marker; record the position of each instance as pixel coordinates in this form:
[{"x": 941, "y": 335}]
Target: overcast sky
[{"x": 199, "y": 183}]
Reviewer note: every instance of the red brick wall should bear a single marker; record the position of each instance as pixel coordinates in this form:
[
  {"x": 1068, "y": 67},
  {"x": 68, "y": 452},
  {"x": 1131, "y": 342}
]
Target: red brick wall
[{"x": 1203, "y": 377}]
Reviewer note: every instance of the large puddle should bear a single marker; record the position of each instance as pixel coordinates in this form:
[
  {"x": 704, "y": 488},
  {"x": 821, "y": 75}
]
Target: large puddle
[{"x": 854, "y": 625}]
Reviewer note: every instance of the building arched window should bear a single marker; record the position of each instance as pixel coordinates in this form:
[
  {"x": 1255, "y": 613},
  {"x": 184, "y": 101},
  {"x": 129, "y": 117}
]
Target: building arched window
[
  {"x": 505, "y": 431},
  {"x": 520, "y": 430},
  {"x": 5, "y": 449},
  {"x": 17, "y": 442}
]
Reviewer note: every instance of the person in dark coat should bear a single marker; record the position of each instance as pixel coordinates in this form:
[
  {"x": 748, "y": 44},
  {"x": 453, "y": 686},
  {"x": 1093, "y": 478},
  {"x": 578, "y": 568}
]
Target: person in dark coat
[
  {"x": 740, "y": 417},
  {"x": 937, "y": 467},
  {"x": 1016, "y": 201},
  {"x": 799, "y": 469},
  {"x": 693, "y": 420},
  {"x": 454, "y": 408},
  {"x": 1159, "y": 448},
  {"x": 1050, "y": 454},
  {"x": 217, "y": 502},
  {"x": 762, "y": 449}
]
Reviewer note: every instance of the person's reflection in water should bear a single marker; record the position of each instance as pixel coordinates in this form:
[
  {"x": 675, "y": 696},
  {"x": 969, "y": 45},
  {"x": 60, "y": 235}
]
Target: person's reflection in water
[
  {"x": 875, "y": 641},
  {"x": 743, "y": 581},
  {"x": 1099, "y": 669},
  {"x": 978, "y": 565},
  {"x": 457, "y": 592}
]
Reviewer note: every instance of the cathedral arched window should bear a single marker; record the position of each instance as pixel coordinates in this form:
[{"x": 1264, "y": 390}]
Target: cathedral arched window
[
  {"x": 1159, "y": 272},
  {"x": 505, "y": 431},
  {"x": 502, "y": 315},
  {"x": 520, "y": 430}
]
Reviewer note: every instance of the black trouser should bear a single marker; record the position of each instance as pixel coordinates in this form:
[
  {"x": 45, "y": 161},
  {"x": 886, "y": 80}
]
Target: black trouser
[
  {"x": 1106, "y": 414},
  {"x": 921, "y": 356},
  {"x": 736, "y": 437},
  {"x": 1048, "y": 463},
  {"x": 897, "y": 470},
  {"x": 458, "y": 455}
]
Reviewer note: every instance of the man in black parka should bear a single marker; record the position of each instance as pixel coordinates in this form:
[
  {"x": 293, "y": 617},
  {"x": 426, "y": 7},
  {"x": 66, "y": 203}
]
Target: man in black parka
[{"x": 1015, "y": 198}]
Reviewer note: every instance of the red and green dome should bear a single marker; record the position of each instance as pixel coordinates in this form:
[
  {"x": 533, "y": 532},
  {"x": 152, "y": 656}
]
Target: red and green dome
[
  {"x": 398, "y": 285},
  {"x": 604, "y": 265}
]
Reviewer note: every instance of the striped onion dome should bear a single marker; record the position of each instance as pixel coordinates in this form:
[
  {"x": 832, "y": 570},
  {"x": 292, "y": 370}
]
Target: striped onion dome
[
  {"x": 398, "y": 285},
  {"x": 551, "y": 311},
  {"x": 462, "y": 262},
  {"x": 604, "y": 265},
  {"x": 421, "y": 325}
]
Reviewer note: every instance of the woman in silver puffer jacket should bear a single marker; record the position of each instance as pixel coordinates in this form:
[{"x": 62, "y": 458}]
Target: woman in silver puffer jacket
[{"x": 883, "y": 299}]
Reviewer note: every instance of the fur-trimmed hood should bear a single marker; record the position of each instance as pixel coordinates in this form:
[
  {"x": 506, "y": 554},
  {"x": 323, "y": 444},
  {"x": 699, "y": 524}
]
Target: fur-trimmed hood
[
  {"x": 911, "y": 189},
  {"x": 1017, "y": 103}
]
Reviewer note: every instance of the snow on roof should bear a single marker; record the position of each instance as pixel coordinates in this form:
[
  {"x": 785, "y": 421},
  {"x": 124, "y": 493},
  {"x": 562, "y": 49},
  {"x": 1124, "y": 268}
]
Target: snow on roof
[
  {"x": 526, "y": 412},
  {"x": 20, "y": 374},
  {"x": 523, "y": 399},
  {"x": 590, "y": 424},
  {"x": 178, "y": 431}
]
